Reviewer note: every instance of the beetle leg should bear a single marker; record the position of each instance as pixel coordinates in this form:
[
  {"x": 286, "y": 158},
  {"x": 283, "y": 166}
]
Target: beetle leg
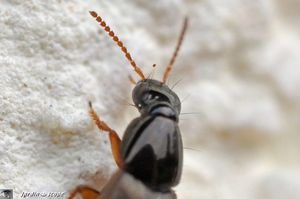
[
  {"x": 115, "y": 140},
  {"x": 85, "y": 192}
]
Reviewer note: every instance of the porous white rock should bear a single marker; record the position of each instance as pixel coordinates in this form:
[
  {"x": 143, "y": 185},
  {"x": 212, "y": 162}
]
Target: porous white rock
[{"x": 240, "y": 76}]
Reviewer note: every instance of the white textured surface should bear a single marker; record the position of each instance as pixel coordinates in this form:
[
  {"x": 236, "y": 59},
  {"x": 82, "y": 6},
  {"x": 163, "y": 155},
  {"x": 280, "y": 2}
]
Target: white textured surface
[{"x": 239, "y": 65}]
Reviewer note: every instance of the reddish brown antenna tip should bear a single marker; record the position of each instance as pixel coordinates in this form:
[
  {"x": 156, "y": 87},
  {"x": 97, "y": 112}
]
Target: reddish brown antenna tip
[
  {"x": 173, "y": 58},
  {"x": 119, "y": 43},
  {"x": 93, "y": 13}
]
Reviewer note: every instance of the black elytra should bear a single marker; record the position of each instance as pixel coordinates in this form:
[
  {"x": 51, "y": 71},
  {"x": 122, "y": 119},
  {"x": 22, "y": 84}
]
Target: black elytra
[{"x": 152, "y": 146}]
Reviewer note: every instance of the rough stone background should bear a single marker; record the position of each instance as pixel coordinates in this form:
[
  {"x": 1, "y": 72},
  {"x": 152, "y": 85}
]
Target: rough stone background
[{"x": 240, "y": 77}]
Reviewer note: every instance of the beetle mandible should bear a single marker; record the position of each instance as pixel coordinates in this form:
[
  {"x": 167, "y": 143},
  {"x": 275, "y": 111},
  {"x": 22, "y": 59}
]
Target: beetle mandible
[{"x": 150, "y": 155}]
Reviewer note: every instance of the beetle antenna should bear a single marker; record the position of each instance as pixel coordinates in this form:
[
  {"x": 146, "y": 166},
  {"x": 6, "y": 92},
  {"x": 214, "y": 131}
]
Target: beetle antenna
[
  {"x": 119, "y": 43},
  {"x": 172, "y": 60}
]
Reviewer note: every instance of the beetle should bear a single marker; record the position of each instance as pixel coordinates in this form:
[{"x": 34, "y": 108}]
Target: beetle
[{"x": 150, "y": 155}]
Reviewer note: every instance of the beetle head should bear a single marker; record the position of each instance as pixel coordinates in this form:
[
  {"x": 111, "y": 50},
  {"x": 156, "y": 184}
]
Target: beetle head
[{"x": 151, "y": 93}]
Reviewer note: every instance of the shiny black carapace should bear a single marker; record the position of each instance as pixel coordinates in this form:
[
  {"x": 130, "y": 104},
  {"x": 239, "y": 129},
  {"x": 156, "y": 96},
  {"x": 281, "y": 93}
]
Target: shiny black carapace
[{"x": 151, "y": 153}]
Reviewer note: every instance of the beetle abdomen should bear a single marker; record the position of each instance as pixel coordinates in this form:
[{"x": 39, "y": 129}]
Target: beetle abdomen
[
  {"x": 154, "y": 155},
  {"x": 124, "y": 186}
]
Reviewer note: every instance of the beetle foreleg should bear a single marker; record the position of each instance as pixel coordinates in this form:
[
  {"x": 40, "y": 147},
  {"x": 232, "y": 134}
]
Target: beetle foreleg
[
  {"x": 85, "y": 192},
  {"x": 115, "y": 140}
]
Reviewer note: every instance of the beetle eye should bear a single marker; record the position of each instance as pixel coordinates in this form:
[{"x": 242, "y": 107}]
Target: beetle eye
[{"x": 147, "y": 97}]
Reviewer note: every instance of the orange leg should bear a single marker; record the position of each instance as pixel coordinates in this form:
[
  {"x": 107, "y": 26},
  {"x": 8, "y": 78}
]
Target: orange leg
[
  {"x": 115, "y": 140},
  {"x": 85, "y": 192}
]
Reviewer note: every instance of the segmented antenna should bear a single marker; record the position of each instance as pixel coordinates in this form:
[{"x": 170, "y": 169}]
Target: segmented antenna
[
  {"x": 119, "y": 43},
  {"x": 172, "y": 60}
]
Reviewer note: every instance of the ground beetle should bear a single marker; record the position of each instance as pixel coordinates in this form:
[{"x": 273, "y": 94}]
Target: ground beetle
[{"x": 151, "y": 153}]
